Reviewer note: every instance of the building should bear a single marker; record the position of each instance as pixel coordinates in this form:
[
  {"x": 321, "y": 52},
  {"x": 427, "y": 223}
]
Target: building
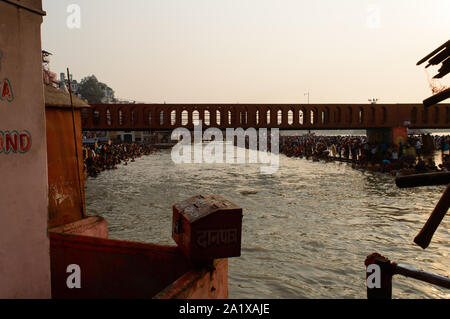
[
  {"x": 50, "y": 78},
  {"x": 64, "y": 84},
  {"x": 109, "y": 94}
]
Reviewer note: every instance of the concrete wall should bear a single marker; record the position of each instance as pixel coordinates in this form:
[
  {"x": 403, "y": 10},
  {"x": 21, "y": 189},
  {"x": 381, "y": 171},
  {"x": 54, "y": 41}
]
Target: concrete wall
[{"x": 24, "y": 243}]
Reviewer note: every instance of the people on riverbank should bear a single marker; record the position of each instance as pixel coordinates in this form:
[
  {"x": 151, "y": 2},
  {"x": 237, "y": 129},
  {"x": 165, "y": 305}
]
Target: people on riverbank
[
  {"x": 101, "y": 157},
  {"x": 414, "y": 156}
]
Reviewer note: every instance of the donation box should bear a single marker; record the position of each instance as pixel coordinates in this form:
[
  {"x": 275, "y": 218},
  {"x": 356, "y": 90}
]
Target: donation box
[{"x": 207, "y": 227}]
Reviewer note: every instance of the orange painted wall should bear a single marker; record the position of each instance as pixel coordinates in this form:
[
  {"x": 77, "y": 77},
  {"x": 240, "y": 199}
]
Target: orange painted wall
[{"x": 66, "y": 204}]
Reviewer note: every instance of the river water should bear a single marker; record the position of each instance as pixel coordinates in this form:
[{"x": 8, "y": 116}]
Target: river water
[{"x": 306, "y": 229}]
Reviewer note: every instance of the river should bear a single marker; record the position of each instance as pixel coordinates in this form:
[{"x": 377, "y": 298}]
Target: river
[{"x": 306, "y": 229}]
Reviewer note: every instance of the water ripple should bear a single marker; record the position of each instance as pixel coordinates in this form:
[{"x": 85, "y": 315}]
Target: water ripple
[{"x": 306, "y": 230}]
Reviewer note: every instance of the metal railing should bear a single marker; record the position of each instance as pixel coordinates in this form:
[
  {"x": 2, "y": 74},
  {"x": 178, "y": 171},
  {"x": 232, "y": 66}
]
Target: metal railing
[{"x": 380, "y": 270}]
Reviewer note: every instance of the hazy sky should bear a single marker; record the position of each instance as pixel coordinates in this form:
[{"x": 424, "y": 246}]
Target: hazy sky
[{"x": 250, "y": 51}]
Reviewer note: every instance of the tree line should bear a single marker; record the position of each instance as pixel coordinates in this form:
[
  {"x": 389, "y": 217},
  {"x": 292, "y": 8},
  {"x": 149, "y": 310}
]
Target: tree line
[{"x": 94, "y": 91}]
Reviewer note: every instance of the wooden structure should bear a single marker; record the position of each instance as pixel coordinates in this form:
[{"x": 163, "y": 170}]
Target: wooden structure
[
  {"x": 65, "y": 161},
  {"x": 207, "y": 227}
]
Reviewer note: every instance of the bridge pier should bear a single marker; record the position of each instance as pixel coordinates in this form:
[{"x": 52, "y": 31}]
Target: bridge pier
[
  {"x": 390, "y": 135},
  {"x": 380, "y": 135}
]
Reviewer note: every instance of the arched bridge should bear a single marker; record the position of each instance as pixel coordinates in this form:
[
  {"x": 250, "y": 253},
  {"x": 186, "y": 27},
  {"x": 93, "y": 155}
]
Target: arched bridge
[{"x": 163, "y": 117}]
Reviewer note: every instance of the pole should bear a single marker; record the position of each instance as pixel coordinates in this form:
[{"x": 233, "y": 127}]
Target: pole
[
  {"x": 423, "y": 239},
  {"x": 421, "y": 275},
  {"x": 384, "y": 291},
  {"x": 427, "y": 179},
  {"x": 76, "y": 144}
]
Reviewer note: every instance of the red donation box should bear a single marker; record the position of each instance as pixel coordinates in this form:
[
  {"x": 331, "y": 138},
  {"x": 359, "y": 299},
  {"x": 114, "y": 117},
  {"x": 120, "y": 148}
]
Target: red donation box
[{"x": 207, "y": 227}]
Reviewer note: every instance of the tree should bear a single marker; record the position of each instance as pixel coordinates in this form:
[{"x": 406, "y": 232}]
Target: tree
[
  {"x": 109, "y": 93},
  {"x": 91, "y": 90}
]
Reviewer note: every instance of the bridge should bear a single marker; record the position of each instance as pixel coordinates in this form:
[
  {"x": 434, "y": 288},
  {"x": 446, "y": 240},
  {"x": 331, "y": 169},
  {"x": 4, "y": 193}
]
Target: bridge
[{"x": 166, "y": 117}]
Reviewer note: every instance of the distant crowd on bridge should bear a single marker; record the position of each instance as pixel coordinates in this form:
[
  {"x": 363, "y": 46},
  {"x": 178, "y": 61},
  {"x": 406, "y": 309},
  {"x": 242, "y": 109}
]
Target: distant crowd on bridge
[
  {"x": 416, "y": 155},
  {"x": 100, "y": 157}
]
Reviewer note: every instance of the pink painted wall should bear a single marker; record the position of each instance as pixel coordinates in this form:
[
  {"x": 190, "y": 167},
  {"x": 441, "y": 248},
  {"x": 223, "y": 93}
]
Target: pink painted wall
[{"x": 24, "y": 243}]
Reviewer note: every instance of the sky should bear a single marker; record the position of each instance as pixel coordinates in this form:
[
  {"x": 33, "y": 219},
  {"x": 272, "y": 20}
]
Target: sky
[{"x": 249, "y": 51}]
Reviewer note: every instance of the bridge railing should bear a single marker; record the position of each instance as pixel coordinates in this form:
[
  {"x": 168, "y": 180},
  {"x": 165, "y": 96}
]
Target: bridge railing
[{"x": 283, "y": 116}]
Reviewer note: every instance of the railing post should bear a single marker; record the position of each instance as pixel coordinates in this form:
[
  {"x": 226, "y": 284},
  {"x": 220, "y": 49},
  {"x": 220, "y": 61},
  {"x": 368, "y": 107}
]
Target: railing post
[{"x": 378, "y": 278}]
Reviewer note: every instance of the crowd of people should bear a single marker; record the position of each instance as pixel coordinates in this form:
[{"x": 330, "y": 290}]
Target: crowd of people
[
  {"x": 416, "y": 155},
  {"x": 101, "y": 157}
]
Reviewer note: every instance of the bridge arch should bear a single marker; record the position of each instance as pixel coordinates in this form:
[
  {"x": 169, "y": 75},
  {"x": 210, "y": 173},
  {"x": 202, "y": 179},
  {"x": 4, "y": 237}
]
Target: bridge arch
[
  {"x": 327, "y": 115},
  {"x": 207, "y": 117},
  {"x": 121, "y": 116},
  {"x": 290, "y": 117},
  {"x": 184, "y": 117},
  {"x": 243, "y": 116},
  {"x": 337, "y": 115},
  {"x": 313, "y": 116},
  {"x": 134, "y": 117},
  {"x": 425, "y": 115},
  {"x": 323, "y": 115},
  {"x": 301, "y": 116},
  {"x": 173, "y": 117},
  {"x": 218, "y": 119},
  {"x": 384, "y": 115},
  {"x": 161, "y": 117},
  {"x": 447, "y": 115},
  {"x": 108, "y": 117},
  {"x": 195, "y": 117},
  {"x": 372, "y": 118},
  {"x": 361, "y": 115},
  {"x": 268, "y": 116},
  {"x": 96, "y": 116},
  {"x": 414, "y": 114},
  {"x": 279, "y": 117},
  {"x": 436, "y": 114},
  {"x": 147, "y": 116},
  {"x": 349, "y": 115}
]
